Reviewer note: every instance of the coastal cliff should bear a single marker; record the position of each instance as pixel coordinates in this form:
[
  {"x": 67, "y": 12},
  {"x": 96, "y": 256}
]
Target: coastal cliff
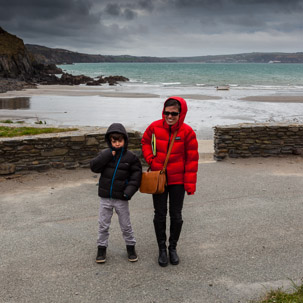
[
  {"x": 19, "y": 68},
  {"x": 15, "y": 60}
]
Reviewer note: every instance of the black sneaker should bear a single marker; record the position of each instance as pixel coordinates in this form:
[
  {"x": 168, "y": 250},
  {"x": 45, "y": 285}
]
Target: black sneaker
[
  {"x": 101, "y": 255},
  {"x": 131, "y": 252}
]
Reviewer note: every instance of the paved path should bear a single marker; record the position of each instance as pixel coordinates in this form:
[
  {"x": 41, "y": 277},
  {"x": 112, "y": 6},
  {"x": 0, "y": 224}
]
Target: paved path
[{"x": 242, "y": 235}]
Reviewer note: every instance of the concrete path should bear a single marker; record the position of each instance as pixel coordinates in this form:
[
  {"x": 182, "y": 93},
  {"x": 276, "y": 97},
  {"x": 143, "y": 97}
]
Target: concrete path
[
  {"x": 242, "y": 236},
  {"x": 206, "y": 151}
]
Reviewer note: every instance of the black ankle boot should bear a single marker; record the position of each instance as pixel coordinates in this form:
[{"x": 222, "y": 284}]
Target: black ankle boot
[
  {"x": 131, "y": 252},
  {"x": 173, "y": 256},
  {"x": 101, "y": 254},
  {"x": 163, "y": 260}
]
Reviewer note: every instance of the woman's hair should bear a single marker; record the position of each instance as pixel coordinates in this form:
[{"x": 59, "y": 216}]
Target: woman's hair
[
  {"x": 116, "y": 136},
  {"x": 173, "y": 102}
]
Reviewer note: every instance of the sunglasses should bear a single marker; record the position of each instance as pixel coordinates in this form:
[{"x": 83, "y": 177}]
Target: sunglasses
[{"x": 174, "y": 114}]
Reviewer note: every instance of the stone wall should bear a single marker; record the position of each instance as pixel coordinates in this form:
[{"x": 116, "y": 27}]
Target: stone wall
[
  {"x": 258, "y": 140},
  {"x": 59, "y": 150}
]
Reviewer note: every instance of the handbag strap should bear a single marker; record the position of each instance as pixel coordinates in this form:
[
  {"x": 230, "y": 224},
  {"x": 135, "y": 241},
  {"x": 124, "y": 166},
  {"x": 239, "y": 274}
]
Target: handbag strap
[{"x": 169, "y": 151}]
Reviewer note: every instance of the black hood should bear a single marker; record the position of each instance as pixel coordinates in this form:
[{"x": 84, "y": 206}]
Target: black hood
[{"x": 117, "y": 128}]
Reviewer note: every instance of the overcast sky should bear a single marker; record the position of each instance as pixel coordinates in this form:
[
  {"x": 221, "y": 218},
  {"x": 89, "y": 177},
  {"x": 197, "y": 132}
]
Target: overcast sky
[{"x": 157, "y": 27}]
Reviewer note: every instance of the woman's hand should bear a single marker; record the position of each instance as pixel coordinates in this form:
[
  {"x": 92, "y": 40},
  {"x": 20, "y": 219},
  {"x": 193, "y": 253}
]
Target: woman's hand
[{"x": 114, "y": 153}]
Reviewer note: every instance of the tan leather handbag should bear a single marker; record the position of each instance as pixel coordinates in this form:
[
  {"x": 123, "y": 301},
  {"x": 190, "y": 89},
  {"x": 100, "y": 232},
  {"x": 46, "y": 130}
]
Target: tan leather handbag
[{"x": 153, "y": 182}]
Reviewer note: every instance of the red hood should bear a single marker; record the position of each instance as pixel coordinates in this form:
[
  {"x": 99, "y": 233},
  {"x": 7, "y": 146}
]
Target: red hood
[{"x": 182, "y": 113}]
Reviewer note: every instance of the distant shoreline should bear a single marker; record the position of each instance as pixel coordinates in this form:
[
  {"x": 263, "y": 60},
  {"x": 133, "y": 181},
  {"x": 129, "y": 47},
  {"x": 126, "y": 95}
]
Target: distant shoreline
[{"x": 48, "y": 55}]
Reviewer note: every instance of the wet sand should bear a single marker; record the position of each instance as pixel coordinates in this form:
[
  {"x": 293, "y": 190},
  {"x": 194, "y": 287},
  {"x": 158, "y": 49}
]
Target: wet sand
[
  {"x": 66, "y": 90},
  {"x": 275, "y": 99},
  {"x": 113, "y": 92},
  {"x": 199, "y": 97}
]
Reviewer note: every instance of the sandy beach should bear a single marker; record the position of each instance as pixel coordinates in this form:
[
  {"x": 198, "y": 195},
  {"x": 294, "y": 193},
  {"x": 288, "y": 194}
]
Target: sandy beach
[
  {"x": 73, "y": 91},
  {"x": 67, "y": 90},
  {"x": 137, "y": 105}
]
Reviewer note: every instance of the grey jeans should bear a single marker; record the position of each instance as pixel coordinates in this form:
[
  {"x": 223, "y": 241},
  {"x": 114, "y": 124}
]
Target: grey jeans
[{"x": 105, "y": 215}]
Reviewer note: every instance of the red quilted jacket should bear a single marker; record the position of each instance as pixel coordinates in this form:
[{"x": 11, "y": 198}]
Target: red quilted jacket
[{"x": 182, "y": 166}]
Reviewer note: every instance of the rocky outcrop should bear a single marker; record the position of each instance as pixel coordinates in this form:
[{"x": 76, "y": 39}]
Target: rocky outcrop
[
  {"x": 15, "y": 60},
  {"x": 111, "y": 80},
  {"x": 12, "y": 84},
  {"x": 47, "y": 69},
  {"x": 69, "y": 79},
  {"x": 19, "y": 68}
]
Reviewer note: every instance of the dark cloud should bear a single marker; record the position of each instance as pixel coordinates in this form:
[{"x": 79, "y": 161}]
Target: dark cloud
[
  {"x": 158, "y": 27},
  {"x": 146, "y": 5},
  {"x": 116, "y": 10},
  {"x": 113, "y": 9},
  {"x": 129, "y": 14},
  {"x": 44, "y": 9}
]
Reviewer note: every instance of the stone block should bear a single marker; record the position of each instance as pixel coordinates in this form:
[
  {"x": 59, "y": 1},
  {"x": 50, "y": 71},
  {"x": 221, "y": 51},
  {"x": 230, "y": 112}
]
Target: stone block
[
  {"x": 281, "y": 135},
  {"x": 71, "y": 165},
  {"x": 298, "y": 151},
  {"x": 250, "y": 141},
  {"x": 12, "y": 143},
  {"x": 7, "y": 168},
  {"x": 84, "y": 163},
  {"x": 59, "y": 144},
  {"x": 39, "y": 167},
  {"x": 6, "y": 148},
  {"x": 91, "y": 141},
  {"x": 253, "y": 148},
  {"x": 89, "y": 153},
  {"x": 224, "y": 137},
  {"x": 77, "y": 139},
  {"x": 25, "y": 147},
  {"x": 54, "y": 152},
  {"x": 41, "y": 146},
  {"x": 272, "y": 151},
  {"x": 57, "y": 164},
  {"x": 76, "y": 147}
]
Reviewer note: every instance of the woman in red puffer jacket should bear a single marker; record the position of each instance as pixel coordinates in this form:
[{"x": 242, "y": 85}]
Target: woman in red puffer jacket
[{"x": 181, "y": 171}]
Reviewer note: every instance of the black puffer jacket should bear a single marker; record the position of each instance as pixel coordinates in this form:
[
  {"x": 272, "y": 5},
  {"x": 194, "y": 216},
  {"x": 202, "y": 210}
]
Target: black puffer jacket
[{"x": 120, "y": 174}]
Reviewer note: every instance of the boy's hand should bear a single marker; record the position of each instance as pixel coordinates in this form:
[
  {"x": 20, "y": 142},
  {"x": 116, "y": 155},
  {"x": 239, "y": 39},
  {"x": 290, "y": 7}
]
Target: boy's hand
[{"x": 114, "y": 153}]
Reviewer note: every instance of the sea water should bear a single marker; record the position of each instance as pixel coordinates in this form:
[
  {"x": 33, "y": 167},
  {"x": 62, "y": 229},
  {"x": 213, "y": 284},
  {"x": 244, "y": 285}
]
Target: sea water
[
  {"x": 154, "y": 82},
  {"x": 197, "y": 74}
]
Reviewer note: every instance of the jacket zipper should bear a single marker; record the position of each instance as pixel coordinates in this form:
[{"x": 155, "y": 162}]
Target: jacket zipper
[
  {"x": 167, "y": 151},
  {"x": 169, "y": 138},
  {"x": 111, "y": 187}
]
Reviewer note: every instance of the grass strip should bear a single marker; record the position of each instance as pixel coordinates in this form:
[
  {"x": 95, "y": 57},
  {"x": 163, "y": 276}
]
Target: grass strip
[
  {"x": 6, "y": 121},
  {"x": 280, "y": 296},
  {"x": 6, "y": 131}
]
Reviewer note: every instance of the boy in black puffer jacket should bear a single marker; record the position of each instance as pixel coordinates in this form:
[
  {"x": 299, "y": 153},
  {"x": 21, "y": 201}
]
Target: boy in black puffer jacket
[{"x": 120, "y": 178}]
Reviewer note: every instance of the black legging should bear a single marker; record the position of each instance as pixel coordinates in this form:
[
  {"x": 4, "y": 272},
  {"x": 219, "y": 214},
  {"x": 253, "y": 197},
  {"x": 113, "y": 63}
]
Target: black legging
[{"x": 176, "y": 197}]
